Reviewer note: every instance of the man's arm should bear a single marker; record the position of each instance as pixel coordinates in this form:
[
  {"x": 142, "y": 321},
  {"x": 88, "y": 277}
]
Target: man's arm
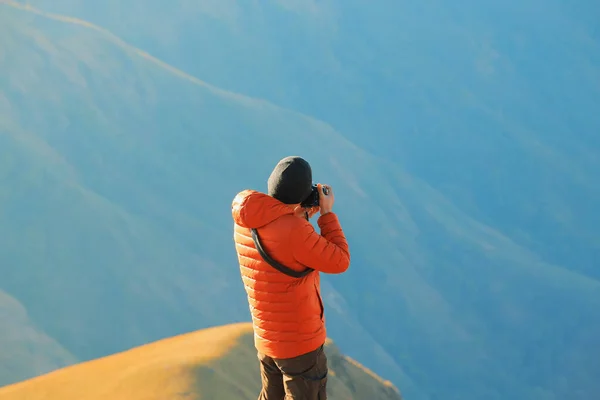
[{"x": 327, "y": 252}]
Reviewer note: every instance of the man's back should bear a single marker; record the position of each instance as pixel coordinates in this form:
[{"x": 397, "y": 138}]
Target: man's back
[{"x": 287, "y": 312}]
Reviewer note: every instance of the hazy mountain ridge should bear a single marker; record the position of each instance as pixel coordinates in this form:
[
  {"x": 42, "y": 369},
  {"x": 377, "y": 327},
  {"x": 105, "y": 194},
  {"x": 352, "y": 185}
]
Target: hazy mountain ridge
[
  {"x": 26, "y": 351},
  {"x": 403, "y": 264},
  {"x": 479, "y": 99}
]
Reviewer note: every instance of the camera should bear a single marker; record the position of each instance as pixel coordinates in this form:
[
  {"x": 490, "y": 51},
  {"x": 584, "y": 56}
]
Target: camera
[{"x": 313, "y": 198}]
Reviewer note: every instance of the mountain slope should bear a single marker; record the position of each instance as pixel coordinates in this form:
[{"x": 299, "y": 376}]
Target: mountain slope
[
  {"x": 216, "y": 363},
  {"x": 119, "y": 173},
  {"x": 492, "y": 103},
  {"x": 26, "y": 351}
]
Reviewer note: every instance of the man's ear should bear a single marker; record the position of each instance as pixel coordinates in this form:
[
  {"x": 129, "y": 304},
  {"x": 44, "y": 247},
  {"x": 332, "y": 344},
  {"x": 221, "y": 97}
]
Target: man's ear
[{"x": 299, "y": 211}]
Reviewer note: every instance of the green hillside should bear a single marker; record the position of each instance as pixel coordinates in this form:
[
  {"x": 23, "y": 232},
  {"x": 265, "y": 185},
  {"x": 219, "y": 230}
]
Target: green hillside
[
  {"x": 216, "y": 363},
  {"x": 118, "y": 173}
]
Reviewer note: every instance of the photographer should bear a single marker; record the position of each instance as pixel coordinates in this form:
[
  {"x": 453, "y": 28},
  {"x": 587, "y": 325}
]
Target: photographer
[{"x": 281, "y": 256}]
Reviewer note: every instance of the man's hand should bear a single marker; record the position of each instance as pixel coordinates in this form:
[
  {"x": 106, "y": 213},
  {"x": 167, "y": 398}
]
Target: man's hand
[{"x": 325, "y": 200}]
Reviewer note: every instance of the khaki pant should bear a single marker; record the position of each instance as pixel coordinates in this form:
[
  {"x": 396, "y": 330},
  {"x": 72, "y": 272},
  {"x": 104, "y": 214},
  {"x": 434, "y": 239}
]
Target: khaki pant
[{"x": 299, "y": 378}]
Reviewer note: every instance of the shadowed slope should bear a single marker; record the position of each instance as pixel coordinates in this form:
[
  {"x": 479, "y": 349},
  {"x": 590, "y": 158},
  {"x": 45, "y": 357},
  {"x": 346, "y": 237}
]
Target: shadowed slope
[
  {"x": 25, "y": 350},
  {"x": 215, "y": 363},
  {"x": 493, "y": 103}
]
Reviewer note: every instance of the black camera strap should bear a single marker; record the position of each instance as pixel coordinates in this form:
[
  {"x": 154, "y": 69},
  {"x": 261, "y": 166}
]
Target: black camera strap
[{"x": 280, "y": 267}]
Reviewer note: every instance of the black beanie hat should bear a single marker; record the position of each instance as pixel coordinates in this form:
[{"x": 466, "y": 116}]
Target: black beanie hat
[{"x": 291, "y": 180}]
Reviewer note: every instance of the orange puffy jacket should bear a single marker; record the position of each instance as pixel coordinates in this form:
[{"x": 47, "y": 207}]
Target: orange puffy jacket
[{"x": 287, "y": 312}]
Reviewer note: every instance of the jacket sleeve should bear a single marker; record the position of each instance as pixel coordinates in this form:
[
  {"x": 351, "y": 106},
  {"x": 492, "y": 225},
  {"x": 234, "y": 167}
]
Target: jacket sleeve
[{"x": 327, "y": 252}]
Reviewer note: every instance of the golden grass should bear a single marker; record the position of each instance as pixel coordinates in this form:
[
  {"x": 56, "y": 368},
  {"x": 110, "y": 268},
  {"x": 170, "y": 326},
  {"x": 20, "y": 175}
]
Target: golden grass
[
  {"x": 159, "y": 370},
  {"x": 217, "y": 363}
]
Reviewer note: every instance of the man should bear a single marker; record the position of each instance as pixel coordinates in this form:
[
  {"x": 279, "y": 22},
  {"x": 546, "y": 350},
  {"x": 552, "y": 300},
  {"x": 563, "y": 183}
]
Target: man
[{"x": 287, "y": 311}]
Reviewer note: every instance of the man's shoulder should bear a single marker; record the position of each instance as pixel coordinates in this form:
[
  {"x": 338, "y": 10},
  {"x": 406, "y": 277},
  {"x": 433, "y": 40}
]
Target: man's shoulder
[
  {"x": 289, "y": 220},
  {"x": 289, "y": 225}
]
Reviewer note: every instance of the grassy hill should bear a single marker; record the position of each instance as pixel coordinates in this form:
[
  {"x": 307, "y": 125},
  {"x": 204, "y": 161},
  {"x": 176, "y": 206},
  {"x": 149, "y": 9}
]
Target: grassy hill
[
  {"x": 215, "y": 363},
  {"x": 118, "y": 173}
]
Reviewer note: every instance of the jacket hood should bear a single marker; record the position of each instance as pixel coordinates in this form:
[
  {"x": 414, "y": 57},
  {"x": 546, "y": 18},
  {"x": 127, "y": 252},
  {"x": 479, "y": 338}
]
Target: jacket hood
[{"x": 253, "y": 209}]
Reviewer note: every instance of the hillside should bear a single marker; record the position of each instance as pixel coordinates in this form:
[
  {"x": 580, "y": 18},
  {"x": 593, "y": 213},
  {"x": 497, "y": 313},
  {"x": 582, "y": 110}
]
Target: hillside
[
  {"x": 494, "y": 104},
  {"x": 215, "y": 363},
  {"x": 26, "y": 350},
  {"x": 118, "y": 172}
]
